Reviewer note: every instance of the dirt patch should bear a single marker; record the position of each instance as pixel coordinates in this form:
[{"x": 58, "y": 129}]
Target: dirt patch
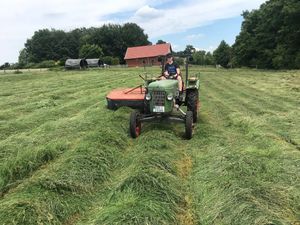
[{"x": 184, "y": 167}]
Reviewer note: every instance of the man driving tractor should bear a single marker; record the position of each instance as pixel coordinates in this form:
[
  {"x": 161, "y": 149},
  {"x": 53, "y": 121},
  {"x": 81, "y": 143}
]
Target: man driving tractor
[{"x": 172, "y": 71}]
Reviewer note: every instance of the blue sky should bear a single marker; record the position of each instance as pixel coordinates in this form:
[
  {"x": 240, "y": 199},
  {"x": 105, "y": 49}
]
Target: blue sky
[
  {"x": 202, "y": 23},
  {"x": 207, "y": 37}
]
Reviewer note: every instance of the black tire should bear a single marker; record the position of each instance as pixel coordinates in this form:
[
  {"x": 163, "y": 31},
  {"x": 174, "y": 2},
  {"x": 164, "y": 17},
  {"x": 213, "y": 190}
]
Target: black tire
[
  {"x": 189, "y": 125},
  {"x": 134, "y": 125},
  {"x": 193, "y": 103}
]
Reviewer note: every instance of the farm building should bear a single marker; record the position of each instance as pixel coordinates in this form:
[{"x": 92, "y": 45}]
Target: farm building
[
  {"x": 148, "y": 55},
  {"x": 76, "y": 64},
  {"x": 94, "y": 62}
]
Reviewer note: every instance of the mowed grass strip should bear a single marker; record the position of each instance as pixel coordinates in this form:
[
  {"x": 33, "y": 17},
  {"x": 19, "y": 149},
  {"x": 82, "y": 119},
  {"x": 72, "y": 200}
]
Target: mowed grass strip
[
  {"x": 244, "y": 171},
  {"x": 54, "y": 102},
  {"x": 81, "y": 166},
  {"x": 66, "y": 186},
  {"x": 147, "y": 187},
  {"x": 26, "y": 147},
  {"x": 63, "y": 189},
  {"x": 272, "y": 114}
]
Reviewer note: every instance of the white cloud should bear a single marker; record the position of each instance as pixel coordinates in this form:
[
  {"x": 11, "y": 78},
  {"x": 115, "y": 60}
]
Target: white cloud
[
  {"x": 19, "y": 18},
  {"x": 209, "y": 49},
  {"x": 147, "y": 12},
  {"x": 193, "y": 37},
  {"x": 176, "y": 48},
  {"x": 193, "y": 14}
]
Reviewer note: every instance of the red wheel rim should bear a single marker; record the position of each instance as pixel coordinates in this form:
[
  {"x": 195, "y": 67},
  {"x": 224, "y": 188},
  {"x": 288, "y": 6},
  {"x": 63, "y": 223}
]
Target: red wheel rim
[{"x": 138, "y": 129}]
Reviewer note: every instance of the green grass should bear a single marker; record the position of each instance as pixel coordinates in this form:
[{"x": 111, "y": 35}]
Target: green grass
[{"x": 66, "y": 159}]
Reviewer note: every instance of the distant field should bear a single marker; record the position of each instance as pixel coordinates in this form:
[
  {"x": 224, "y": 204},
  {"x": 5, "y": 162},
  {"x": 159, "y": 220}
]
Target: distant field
[{"x": 66, "y": 159}]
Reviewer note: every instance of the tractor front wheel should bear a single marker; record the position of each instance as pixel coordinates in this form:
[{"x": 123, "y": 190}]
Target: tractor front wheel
[
  {"x": 189, "y": 125},
  {"x": 135, "y": 125}
]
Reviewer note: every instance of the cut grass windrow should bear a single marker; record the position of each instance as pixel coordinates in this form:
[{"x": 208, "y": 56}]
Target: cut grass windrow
[
  {"x": 244, "y": 173},
  {"x": 66, "y": 159},
  {"x": 18, "y": 162},
  {"x": 66, "y": 186},
  {"x": 147, "y": 187},
  {"x": 83, "y": 165}
]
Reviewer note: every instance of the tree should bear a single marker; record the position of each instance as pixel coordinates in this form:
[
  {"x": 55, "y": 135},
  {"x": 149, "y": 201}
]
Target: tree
[
  {"x": 222, "y": 54},
  {"x": 23, "y": 57},
  {"x": 58, "y": 45},
  {"x": 209, "y": 59},
  {"x": 5, "y": 66},
  {"x": 49, "y": 45},
  {"x": 90, "y": 51},
  {"x": 199, "y": 57},
  {"x": 160, "y": 42},
  {"x": 270, "y": 36},
  {"x": 189, "y": 49}
]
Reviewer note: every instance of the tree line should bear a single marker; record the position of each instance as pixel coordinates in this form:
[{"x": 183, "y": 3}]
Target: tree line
[
  {"x": 108, "y": 42},
  {"x": 269, "y": 38}
]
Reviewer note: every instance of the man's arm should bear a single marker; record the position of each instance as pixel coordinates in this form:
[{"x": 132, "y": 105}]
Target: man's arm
[
  {"x": 166, "y": 73},
  {"x": 178, "y": 71}
]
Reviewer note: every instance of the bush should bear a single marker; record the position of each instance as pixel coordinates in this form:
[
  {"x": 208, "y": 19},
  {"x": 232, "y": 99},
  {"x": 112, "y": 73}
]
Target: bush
[
  {"x": 18, "y": 72},
  {"x": 107, "y": 60},
  {"x": 115, "y": 61},
  {"x": 180, "y": 61},
  {"x": 46, "y": 64},
  {"x": 15, "y": 66},
  {"x": 30, "y": 66}
]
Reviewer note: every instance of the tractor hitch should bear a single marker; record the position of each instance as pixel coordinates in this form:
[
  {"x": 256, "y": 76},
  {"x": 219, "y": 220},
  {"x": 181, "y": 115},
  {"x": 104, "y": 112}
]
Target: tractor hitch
[{"x": 161, "y": 117}]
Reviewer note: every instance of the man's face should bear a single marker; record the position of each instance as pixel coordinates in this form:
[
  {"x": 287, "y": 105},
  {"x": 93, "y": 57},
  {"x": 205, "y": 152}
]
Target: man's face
[{"x": 170, "y": 59}]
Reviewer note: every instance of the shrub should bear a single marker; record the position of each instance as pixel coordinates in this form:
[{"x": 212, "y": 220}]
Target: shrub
[
  {"x": 31, "y": 66},
  {"x": 115, "y": 61},
  {"x": 46, "y": 64},
  {"x": 180, "y": 61},
  {"x": 107, "y": 60}
]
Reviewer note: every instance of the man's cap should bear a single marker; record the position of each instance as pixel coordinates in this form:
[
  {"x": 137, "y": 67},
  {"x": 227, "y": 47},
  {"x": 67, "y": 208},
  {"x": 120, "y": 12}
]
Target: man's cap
[{"x": 169, "y": 55}]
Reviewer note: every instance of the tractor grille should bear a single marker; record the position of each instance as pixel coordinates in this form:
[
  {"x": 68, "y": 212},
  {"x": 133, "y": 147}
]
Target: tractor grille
[{"x": 159, "y": 98}]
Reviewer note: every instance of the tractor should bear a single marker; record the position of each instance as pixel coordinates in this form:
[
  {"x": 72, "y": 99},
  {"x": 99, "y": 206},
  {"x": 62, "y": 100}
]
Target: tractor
[{"x": 160, "y": 100}]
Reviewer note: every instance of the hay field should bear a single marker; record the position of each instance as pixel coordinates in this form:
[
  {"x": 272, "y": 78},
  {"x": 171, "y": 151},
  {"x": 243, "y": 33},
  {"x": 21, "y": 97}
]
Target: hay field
[{"x": 66, "y": 159}]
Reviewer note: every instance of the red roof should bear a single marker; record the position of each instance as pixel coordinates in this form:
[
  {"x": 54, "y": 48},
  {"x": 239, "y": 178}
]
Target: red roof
[{"x": 147, "y": 51}]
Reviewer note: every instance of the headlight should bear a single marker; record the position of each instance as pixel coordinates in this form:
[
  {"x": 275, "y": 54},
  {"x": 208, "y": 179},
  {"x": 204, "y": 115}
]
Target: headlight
[
  {"x": 170, "y": 97},
  {"x": 148, "y": 97}
]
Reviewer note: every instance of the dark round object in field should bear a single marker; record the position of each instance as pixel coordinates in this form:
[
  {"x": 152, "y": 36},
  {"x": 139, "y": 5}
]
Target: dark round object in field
[
  {"x": 192, "y": 103},
  {"x": 135, "y": 125},
  {"x": 189, "y": 125},
  {"x": 111, "y": 105}
]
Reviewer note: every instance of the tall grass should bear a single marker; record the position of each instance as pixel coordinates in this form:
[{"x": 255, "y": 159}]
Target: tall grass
[
  {"x": 245, "y": 172},
  {"x": 66, "y": 159}
]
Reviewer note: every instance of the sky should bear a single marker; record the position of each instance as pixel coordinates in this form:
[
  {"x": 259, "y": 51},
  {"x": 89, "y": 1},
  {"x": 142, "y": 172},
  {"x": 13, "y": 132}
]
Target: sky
[{"x": 202, "y": 23}]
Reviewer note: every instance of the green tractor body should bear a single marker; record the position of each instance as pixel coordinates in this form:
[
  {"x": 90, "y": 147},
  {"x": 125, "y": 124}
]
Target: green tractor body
[
  {"x": 162, "y": 101},
  {"x": 160, "y": 96}
]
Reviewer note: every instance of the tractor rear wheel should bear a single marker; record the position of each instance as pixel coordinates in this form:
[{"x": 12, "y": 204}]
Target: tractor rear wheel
[
  {"x": 193, "y": 103},
  {"x": 135, "y": 125},
  {"x": 189, "y": 125}
]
